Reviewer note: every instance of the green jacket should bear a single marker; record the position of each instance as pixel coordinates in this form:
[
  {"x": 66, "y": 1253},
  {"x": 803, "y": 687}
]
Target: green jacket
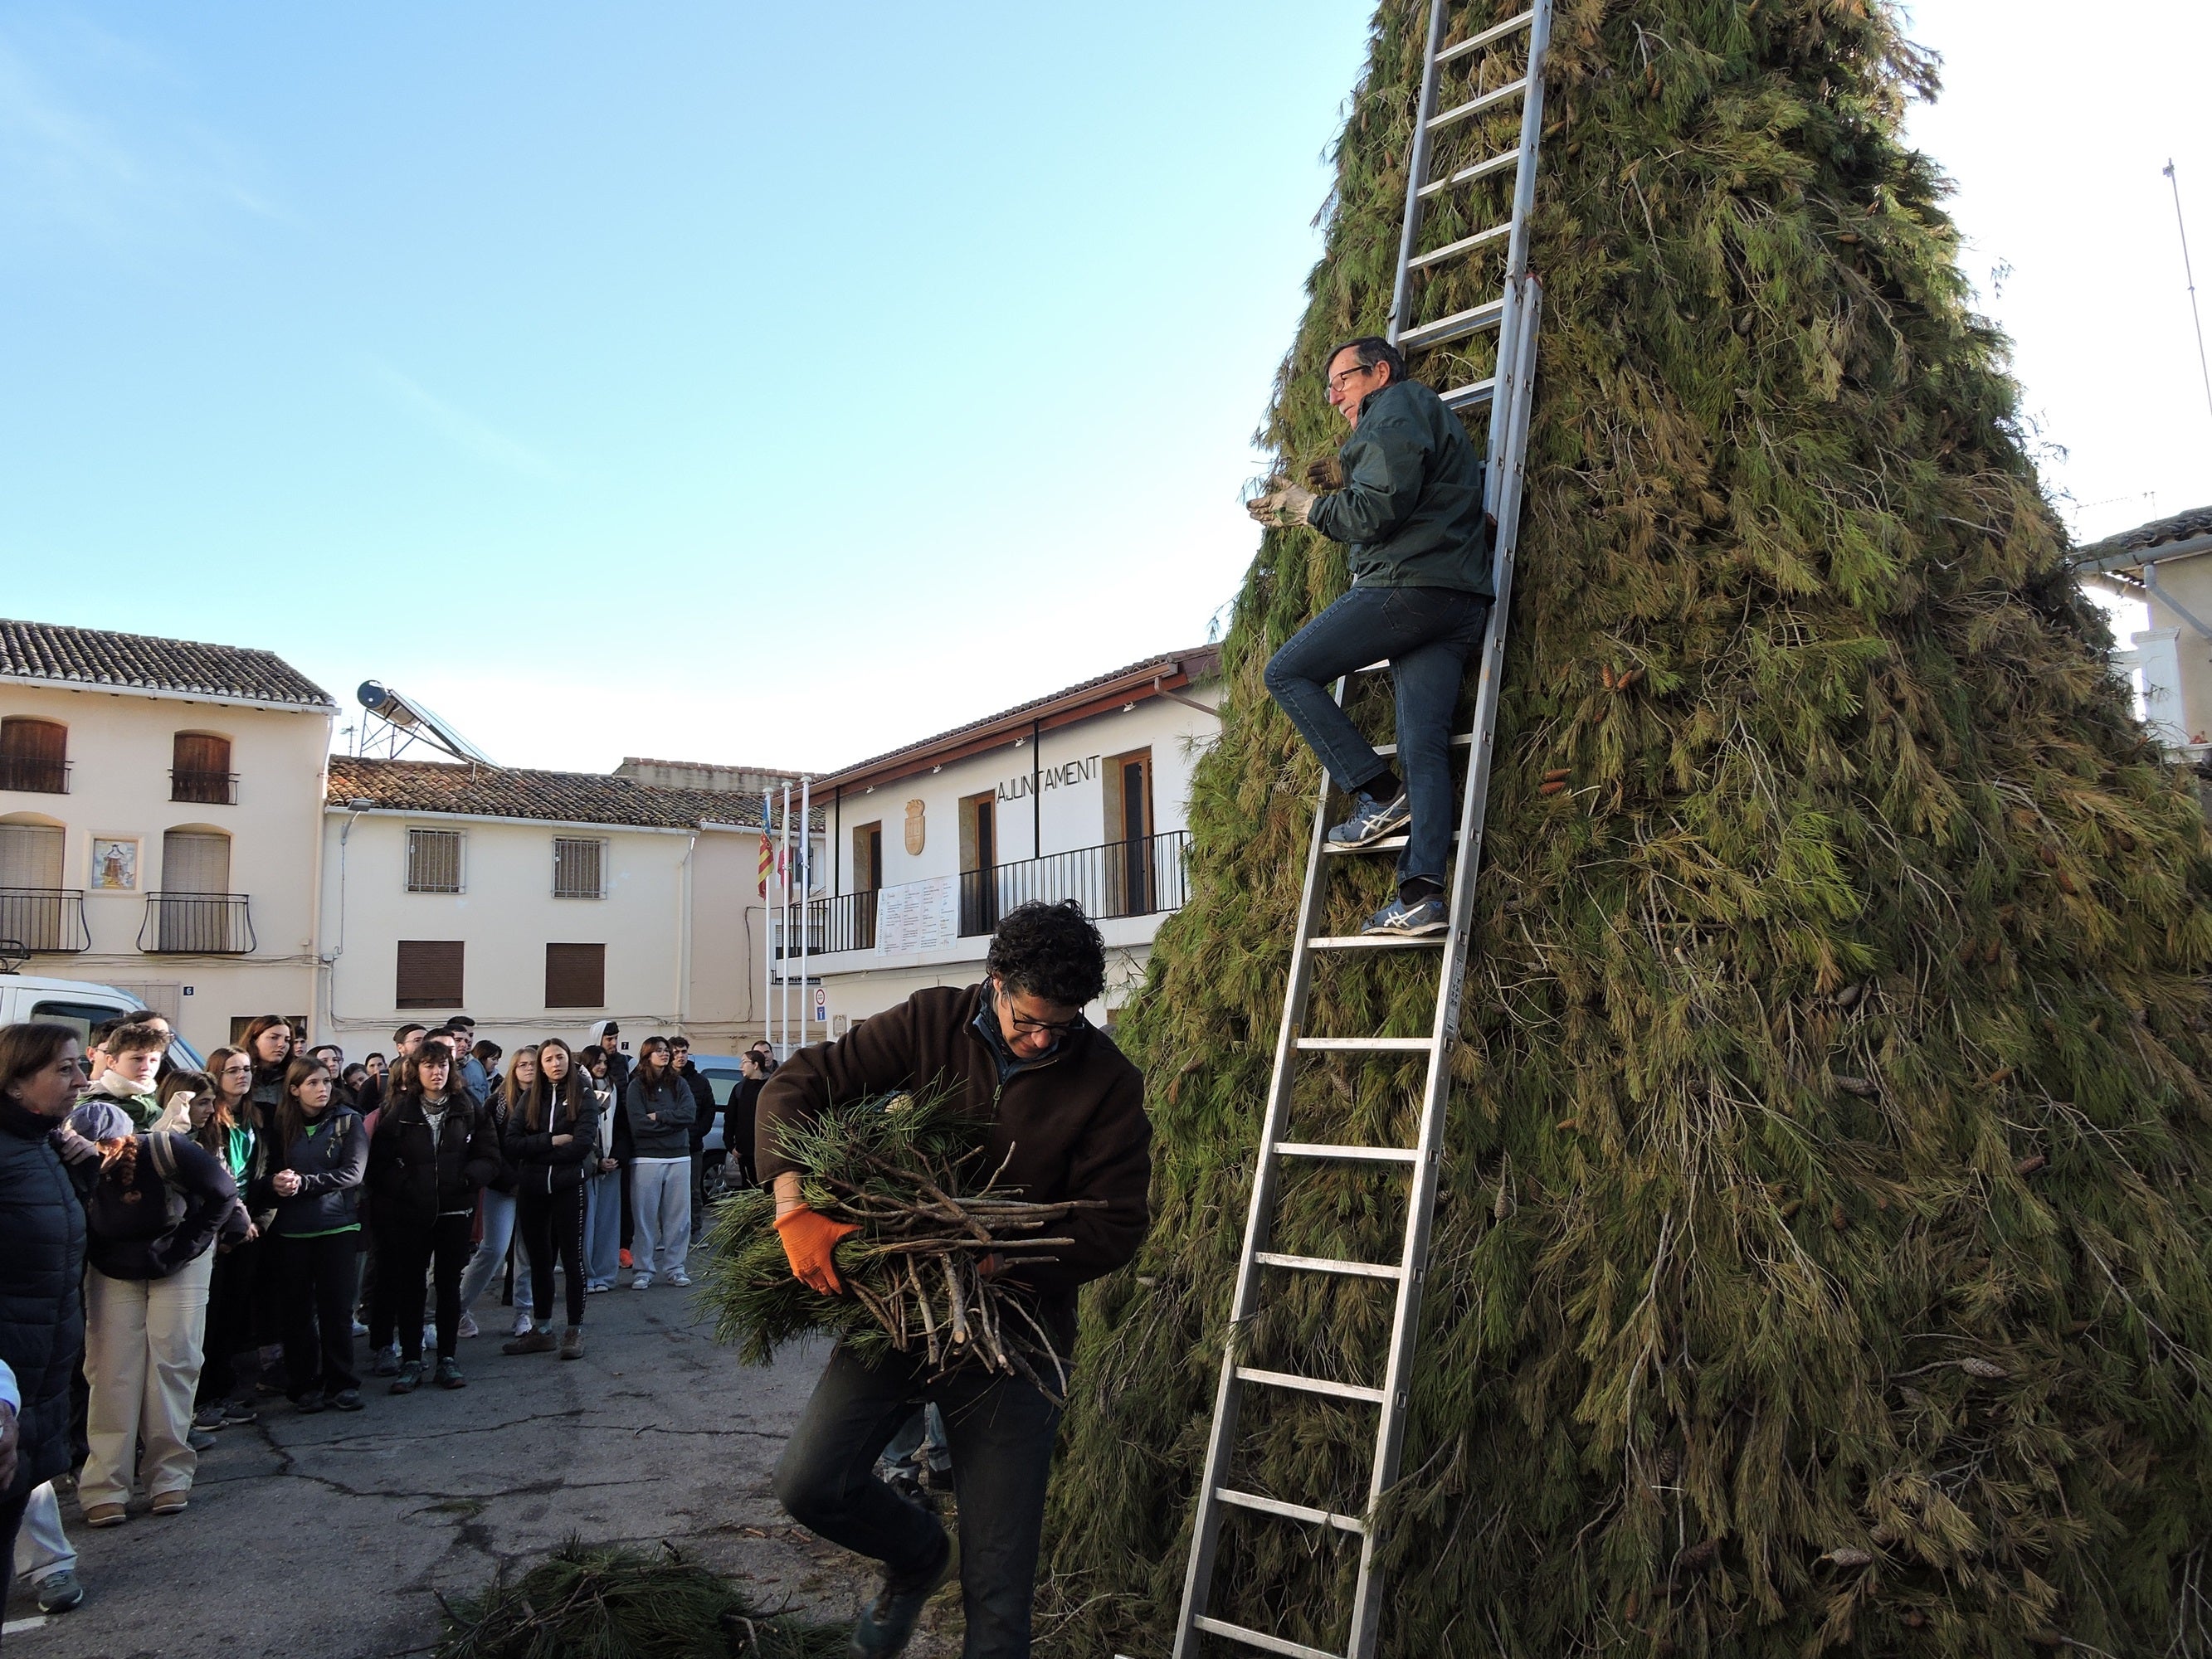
[{"x": 1411, "y": 504}]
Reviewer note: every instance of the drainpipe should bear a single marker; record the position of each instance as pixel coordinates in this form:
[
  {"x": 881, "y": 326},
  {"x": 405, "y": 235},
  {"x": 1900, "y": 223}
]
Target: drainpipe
[
  {"x": 683, "y": 941},
  {"x": 355, "y": 809}
]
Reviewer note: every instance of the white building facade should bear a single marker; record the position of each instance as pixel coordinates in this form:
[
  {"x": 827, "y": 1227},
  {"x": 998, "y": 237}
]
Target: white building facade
[{"x": 1084, "y": 795}]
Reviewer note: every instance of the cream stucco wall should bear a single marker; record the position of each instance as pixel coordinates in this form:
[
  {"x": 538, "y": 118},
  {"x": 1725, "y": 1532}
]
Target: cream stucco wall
[
  {"x": 2189, "y": 581},
  {"x": 670, "y": 922},
  {"x": 120, "y": 747}
]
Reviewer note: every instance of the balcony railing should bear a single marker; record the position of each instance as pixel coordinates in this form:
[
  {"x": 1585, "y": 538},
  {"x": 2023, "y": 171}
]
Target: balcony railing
[
  {"x": 197, "y": 924},
  {"x": 207, "y": 788},
  {"x": 1143, "y": 877},
  {"x": 34, "y": 775},
  {"x": 43, "y": 919}
]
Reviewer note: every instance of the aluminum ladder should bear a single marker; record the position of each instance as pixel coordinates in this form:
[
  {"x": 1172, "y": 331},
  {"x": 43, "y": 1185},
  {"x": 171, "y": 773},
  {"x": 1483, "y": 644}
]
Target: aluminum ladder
[{"x": 1507, "y": 394}]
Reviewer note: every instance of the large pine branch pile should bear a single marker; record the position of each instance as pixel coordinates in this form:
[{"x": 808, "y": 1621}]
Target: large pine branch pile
[
  {"x": 1821, "y": 1262},
  {"x": 923, "y": 1275}
]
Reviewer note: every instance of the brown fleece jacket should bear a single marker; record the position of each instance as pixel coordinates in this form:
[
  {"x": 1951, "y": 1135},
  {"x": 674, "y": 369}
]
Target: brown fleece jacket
[{"x": 1073, "y": 1126}]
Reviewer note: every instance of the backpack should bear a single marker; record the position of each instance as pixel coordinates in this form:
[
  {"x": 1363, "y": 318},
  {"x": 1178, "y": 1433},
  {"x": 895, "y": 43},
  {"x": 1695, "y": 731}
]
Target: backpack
[{"x": 109, "y": 1214}]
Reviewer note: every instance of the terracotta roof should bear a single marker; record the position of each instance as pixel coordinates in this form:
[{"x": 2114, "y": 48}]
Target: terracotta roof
[
  {"x": 92, "y": 656},
  {"x": 712, "y": 766},
  {"x": 2191, "y": 526},
  {"x": 511, "y": 792},
  {"x": 1173, "y": 669}
]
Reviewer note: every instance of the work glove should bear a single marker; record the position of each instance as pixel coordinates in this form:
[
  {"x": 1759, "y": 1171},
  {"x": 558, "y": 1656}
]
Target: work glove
[
  {"x": 1323, "y": 474},
  {"x": 809, "y": 1238},
  {"x": 1281, "y": 508}
]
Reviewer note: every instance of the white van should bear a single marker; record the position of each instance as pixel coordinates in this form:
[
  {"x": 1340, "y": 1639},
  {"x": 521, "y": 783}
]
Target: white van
[{"x": 80, "y": 1004}]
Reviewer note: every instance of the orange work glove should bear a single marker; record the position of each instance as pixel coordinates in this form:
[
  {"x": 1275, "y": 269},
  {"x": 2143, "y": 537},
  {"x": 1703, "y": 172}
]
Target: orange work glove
[{"x": 808, "y": 1238}]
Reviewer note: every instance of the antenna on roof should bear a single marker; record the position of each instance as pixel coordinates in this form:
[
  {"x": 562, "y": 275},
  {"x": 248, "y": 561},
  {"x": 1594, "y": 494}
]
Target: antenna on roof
[{"x": 397, "y": 723}]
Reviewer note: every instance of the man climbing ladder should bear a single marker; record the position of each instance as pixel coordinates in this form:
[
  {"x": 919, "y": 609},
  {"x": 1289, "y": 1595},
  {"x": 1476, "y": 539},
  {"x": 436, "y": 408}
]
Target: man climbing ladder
[{"x": 1412, "y": 508}]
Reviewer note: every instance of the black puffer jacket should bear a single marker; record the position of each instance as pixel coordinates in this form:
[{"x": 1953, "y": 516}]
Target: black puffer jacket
[
  {"x": 331, "y": 1163},
  {"x": 542, "y": 1167},
  {"x": 135, "y": 1232},
  {"x": 412, "y": 1183},
  {"x": 41, "y": 1306}
]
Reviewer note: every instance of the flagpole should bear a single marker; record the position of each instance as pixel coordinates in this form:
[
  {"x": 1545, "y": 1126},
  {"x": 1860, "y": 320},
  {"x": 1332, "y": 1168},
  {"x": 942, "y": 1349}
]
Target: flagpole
[
  {"x": 768, "y": 913},
  {"x": 783, "y": 883},
  {"x": 806, "y": 908}
]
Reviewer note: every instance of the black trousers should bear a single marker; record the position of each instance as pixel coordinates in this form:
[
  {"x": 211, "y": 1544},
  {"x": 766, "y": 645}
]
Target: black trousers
[
  {"x": 11, "y": 1522},
  {"x": 232, "y": 1287},
  {"x": 405, "y": 1252},
  {"x": 315, "y": 1293},
  {"x": 628, "y": 1208},
  {"x": 553, "y": 1224}
]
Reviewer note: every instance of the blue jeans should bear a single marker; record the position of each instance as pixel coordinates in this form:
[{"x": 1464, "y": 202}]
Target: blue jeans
[
  {"x": 491, "y": 1257},
  {"x": 1001, "y": 1429},
  {"x": 1427, "y": 633},
  {"x": 603, "y": 1228}
]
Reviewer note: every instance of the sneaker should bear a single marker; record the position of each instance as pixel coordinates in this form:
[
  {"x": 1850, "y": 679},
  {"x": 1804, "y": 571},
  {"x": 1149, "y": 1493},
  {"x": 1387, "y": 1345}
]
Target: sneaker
[
  {"x": 572, "y": 1342},
  {"x": 626, "y": 1262},
  {"x": 680, "y": 1279},
  {"x": 410, "y": 1378},
  {"x": 469, "y": 1326},
  {"x": 236, "y": 1412},
  {"x": 592, "y": 1287},
  {"x": 346, "y": 1400},
  {"x": 643, "y": 1282},
  {"x": 312, "y": 1400},
  {"x": 106, "y": 1515},
  {"x": 58, "y": 1592},
  {"x": 169, "y": 1503},
  {"x": 1371, "y": 820},
  {"x": 523, "y": 1324},
  {"x": 209, "y": 1419},
  {"x": 360, "y": 1330},
  {"x": 387, "y": 1361},
  {"x": 887, "y": 1623},
  {"x": 199, "y": 1440},
  {"x": 449, "y": 1374},
  {"x": 531, "y": 1341},
  {"x": 1407, "y": 920}
]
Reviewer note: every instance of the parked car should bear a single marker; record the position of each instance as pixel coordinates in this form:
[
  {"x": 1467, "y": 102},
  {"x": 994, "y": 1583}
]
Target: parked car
[{"x": 79, "y": 1003}]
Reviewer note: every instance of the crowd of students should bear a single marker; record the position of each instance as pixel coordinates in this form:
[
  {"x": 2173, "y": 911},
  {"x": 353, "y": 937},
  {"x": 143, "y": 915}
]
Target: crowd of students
[{"x": 185, "y": 1245}]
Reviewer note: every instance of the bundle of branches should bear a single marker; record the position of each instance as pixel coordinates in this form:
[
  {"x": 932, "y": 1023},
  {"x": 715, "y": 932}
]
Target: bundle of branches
[
  {"x": 922, "y": 1276},
  {"x": 612, "y": 1603}
]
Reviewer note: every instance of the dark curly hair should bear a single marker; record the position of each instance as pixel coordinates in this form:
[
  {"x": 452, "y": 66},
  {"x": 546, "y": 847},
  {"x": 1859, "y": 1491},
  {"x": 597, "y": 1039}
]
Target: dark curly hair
[{"x": 1049, "y": 950}]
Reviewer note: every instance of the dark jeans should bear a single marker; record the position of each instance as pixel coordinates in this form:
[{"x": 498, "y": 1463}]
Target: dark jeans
[
  {"x": 11, "y": 1522},
  {"x": 316, "y": 1288},
  {"x": 1428, "y": 633},
  {"x": 553, "y": 1225},
  {"x": 232, "y": 1287},
  {"x": 1001, "y": 1432},
  {"x": 404, "y": 1254}
]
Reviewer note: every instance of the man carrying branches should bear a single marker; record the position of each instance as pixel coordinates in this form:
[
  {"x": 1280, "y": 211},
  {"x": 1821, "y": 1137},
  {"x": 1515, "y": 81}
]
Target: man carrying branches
[{"x": 1066, "y": 1124}]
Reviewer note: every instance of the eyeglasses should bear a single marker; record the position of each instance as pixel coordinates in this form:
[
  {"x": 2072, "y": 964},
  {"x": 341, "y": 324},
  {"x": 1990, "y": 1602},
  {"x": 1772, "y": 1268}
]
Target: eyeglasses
[
  {"x": 1338, "y": 381},
  {"x": 1058, "y": 1028}
]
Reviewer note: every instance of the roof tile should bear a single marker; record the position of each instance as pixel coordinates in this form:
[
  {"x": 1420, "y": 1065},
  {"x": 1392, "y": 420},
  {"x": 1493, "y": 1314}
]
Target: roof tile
[
  {"x": 92, "y": 656},
  {"x": 512, "y": 791}
]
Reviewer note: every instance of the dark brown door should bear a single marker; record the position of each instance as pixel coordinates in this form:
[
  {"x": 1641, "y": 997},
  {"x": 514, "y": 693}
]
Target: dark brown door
[
  {"x": 34, "y": 756},
  {"x": 200, "y": 769}
]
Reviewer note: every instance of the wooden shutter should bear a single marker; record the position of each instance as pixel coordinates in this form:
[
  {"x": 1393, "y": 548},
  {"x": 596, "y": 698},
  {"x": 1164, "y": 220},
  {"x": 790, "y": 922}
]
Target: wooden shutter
[
  {"x": 194, "y": 861},
  {"x": 34, "y": 756},
  {"x": 575, "y": 976},
  {"x": 199, "y": 767},
  {"x": 429, "y": 974},
  {"x": 30, "y": 856}
]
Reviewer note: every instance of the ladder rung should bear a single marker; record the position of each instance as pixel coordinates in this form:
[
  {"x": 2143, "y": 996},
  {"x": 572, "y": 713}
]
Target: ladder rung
[
  {"x": 1366, "y": 1045},
  {"x": 1476, "y": 394},
  {"x": 1472, "y": 170},
  {"x": 1309, "y": 1384},
  {"x": 1387, "y": 749},
  {"x": 1322, "y": 1264},
  {"x": 1260, "y": 1639},
  {"x": 1337, "y": 849},
  {"x": 1375, "y": 1154},
  {"x": 1466, "y": 243},
  {"x": 1489, "y": 314},
  {"x": 1248, "y": 1500},
  {"x": 1476, "y": 106},
  {"x": 1495, "y": 31},
  {"x": 1374, "y": 942}
]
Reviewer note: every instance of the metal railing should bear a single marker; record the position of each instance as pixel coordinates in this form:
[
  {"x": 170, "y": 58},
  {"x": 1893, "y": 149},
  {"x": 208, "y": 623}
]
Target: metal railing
[
  {"x": 1147, "y": 877},
  {"x": 44, "y": 919},
  {"x": 206, "y": 789},
  {"x": 197, "y": 924},
  {"x": 34, "y": 777}
]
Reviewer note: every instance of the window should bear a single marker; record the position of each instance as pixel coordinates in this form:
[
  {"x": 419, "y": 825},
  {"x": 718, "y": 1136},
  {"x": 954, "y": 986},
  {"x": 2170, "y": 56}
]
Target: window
[
  {"x": 199, "y": 769},
  {"x": 31, "y": 855},
  {"x": 868, "y": 857},
  {"x": 434, "y": 862},
  {"x": 429, "y": 974},
  {"x": 34, "y": 756},
  {"x": 1130, "y": 878},
  {"x": 579, "y": 867},
  {"x": 979, "y": 860},
  {"x": 575, "y": 976}
]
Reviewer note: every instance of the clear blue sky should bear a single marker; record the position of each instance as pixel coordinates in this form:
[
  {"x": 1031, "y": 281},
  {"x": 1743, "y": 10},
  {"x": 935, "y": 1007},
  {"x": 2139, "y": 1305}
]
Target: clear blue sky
[{"x": 779, "y": 385}]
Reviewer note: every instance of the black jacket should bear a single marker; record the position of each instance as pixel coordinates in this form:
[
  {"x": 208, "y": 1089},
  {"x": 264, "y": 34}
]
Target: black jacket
[
  {"x": 737, "y": 1121},
  {"x": 41, "y": 1302},
  {"x": 137, "y": 1232},
  {"x": 412, "y": 1183},
  {"x": 541, "y": 1166},
  {"x": 671, "y": 1104},
  {"x": 330, "y": 1164},
  {"x": 702, "y": 1104},
  {"x": 1412, "y": 502}
]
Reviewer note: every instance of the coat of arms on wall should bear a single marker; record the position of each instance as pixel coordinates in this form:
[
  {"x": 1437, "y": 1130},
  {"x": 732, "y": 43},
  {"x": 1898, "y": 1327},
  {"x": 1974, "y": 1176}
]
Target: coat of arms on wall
[{"x": 914, "y": 828}]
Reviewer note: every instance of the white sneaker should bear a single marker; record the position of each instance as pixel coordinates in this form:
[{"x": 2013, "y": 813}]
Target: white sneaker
[
  {"x": 681, "y": 1280},
  {"x": 523, "y": 1326},
  {"x": 643, "y": 1282},
  {"x": 468, "y": 1326}
]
